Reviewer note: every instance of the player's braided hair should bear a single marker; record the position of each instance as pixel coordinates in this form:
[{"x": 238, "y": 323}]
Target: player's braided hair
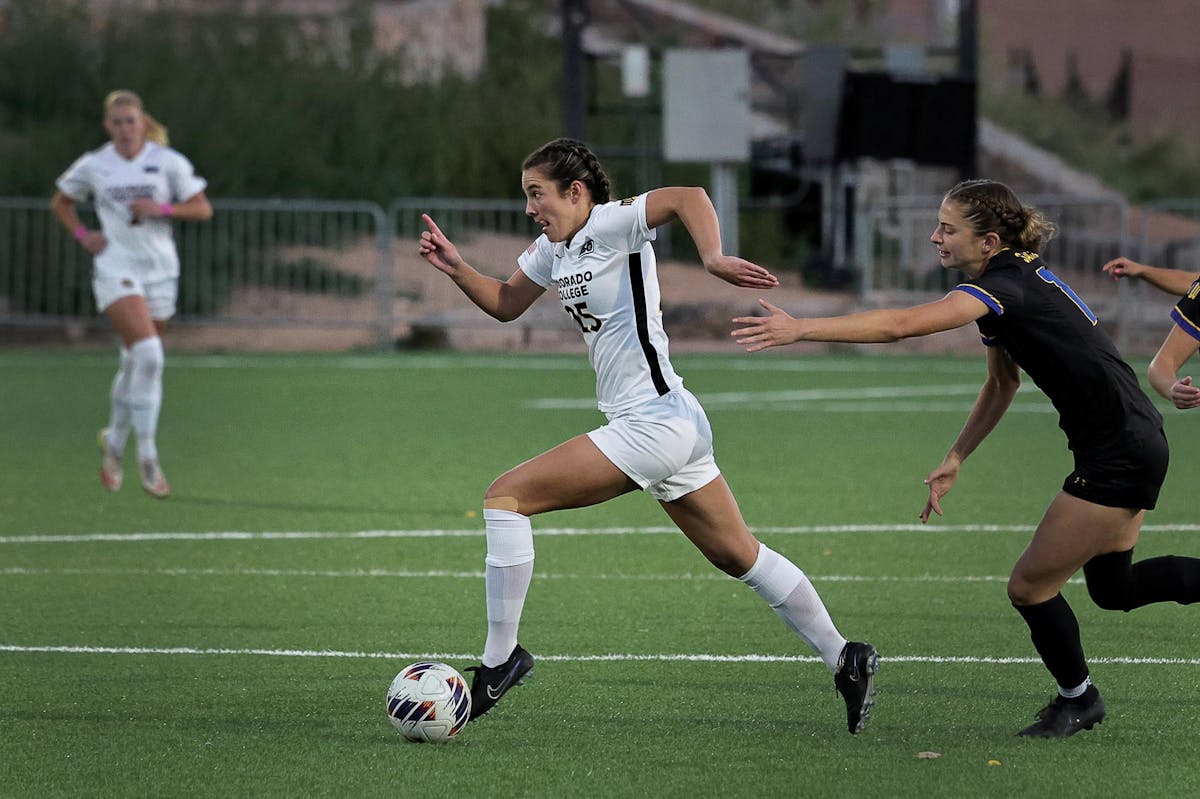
[
  {"x": 567, "y": 160},
  {"x": 989, "y": 205}
]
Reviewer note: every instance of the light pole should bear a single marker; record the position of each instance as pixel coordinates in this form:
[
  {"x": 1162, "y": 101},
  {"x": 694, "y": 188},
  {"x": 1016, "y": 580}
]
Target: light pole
[{"x": 574, "y": 19}]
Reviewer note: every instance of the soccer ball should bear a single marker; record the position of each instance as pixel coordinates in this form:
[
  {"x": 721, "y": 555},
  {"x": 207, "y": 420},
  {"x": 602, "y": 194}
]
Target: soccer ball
[{"x": 429, "y": 701}]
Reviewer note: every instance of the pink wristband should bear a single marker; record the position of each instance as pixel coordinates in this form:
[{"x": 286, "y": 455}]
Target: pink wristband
[
  {"x": 166, "y": 209},
  {"x": 81, "y": 232}
]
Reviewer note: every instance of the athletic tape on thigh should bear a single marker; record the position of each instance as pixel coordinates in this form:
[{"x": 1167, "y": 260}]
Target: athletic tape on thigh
[{"x": 502, "y": 503}]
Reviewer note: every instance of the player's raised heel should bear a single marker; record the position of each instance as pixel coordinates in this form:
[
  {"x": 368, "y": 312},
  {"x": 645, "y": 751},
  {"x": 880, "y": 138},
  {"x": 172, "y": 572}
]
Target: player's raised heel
[
  {"x": 111, "y": 473},
  {"x": 492, "y": 682}
]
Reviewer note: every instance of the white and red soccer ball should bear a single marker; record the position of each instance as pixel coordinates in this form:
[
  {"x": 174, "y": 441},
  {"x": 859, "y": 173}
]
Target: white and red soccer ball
[{"x": 429, "y": 702}]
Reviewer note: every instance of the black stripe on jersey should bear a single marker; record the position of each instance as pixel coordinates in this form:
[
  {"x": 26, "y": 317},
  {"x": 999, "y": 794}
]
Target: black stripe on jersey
[{"x": 638, "y": 287}]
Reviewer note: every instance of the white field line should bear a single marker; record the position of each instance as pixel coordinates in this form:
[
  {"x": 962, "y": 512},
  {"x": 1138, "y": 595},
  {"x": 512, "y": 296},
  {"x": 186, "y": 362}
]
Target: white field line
[
  {"x": 614, "y": 657},
  {"x": 20, "y": 571},
  {"x": 879, "y": 406},
  {"x": 236, "y": 535}
]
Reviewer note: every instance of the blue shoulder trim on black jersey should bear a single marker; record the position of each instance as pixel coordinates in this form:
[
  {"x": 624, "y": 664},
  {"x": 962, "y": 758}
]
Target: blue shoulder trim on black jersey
[
  {"x": 982, "y": 296},
  {"x": 1185, "y": 324}
]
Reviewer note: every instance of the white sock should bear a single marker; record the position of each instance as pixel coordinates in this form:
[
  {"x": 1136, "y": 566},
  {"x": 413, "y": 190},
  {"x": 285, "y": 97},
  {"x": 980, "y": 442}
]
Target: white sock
[
  {"x": 119, "y": 416},
  {"x": 1077, "y": 691},
  {"x": 791, "y": 595},
  {"x": 145, "y": 393},
  {"x": 507, "y": 574}
]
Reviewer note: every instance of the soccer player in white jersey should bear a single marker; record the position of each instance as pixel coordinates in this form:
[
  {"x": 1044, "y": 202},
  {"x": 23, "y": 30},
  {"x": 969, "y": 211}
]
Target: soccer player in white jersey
[
  {"x": 596, "y": 254},
  {"x": 138, "y": 185}
]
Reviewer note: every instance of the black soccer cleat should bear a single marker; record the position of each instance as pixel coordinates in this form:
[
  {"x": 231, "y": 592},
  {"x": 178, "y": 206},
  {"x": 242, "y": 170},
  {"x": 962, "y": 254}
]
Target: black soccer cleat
[
  {"x": 1064, "y": 717},
  {"x": 854, "y": 679},
  {"x": 492, "y": 682}
]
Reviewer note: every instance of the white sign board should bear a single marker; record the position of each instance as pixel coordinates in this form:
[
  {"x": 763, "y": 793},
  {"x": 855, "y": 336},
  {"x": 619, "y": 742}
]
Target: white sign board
[
  {"x": 706, "y": 105},
  {"x": 635, "y": 71}
]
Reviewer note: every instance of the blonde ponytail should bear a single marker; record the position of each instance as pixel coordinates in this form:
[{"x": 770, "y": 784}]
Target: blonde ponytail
[{"x": 156, "y": 131}]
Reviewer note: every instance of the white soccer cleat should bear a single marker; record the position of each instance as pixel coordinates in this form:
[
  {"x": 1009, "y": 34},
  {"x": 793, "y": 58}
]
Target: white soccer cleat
[
  {"x": 111, "y": 473},
  {"x": 153, "y": 480}
]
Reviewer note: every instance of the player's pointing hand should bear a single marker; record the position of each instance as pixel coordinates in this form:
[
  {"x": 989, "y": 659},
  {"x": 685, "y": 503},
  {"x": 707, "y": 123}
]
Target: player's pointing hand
[{"x": 437, "y": 249}]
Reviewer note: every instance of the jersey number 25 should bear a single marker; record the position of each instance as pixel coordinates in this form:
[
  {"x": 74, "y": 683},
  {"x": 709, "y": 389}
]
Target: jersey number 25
[{"x": 579, "y": 312}]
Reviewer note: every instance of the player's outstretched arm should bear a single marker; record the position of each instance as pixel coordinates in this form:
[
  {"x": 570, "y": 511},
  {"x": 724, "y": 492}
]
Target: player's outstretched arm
[
  {"x": 866, "y": 327},
  {"x": 1163, "y": 373},
  {"x": 1172, "y": 281},
  {"x": 501, "y": 300}
]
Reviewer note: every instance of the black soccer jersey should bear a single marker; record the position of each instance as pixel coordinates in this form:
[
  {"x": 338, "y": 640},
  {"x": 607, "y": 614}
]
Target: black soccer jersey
[
  {"x": 1187, "y": 312},
  {"x": 1056, "y": 339}
]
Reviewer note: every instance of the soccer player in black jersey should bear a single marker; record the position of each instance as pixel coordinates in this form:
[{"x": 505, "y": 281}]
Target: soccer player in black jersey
[
  {"x": 1180, "y": 345},
  {"x": 1031, "y": 320},
  {"x": 1183, "y": 340}
]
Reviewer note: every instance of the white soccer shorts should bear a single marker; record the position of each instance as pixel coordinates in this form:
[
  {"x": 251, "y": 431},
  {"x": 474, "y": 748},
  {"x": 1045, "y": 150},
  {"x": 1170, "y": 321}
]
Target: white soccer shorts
[
  {"x": 665, "y": 445},
  {"x": 161, "y": 295}
]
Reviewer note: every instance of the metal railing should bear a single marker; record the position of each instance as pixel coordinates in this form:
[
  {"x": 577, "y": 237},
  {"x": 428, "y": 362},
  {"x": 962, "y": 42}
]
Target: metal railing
[
  {"x": 325, "y": 264},
  {"x": 233, "y": 268},
  {"x": 250, "y": 265},
  {"x": 461, "y": 216},
  {"x": 893, "y": 251}
]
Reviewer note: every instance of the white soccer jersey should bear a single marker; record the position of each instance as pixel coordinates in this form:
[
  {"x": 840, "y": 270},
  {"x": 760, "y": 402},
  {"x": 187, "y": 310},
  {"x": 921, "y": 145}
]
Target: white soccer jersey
[
  {"x": 607, "y": 280},
  {"x": 114, "y": 182}
]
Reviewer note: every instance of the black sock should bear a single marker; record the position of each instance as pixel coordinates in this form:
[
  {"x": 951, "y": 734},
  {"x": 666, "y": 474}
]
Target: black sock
[
  {"x": 1055, "y": 635},
  {"x": 1116, "y": 583}
]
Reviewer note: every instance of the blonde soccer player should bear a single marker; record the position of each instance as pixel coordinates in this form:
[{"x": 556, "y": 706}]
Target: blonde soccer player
[{"x": 138, "y": 185}]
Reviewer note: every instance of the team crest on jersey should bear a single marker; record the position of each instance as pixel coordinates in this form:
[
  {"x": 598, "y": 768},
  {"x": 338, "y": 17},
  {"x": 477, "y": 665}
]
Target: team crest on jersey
[
  {"x": 150, "y": 168},
  {"x": 629, "y": 200},
  {"x": 587, "y": 247}
]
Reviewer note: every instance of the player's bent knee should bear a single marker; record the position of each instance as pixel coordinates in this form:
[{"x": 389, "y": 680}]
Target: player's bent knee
[
  {"x": 1109, "y": 580},
  {"x": 146, "y": 356},
  {"x": 1021, "y": 592},
  {"x": 1109, "y": 596},
  {"x": 145, "y": 372}
]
